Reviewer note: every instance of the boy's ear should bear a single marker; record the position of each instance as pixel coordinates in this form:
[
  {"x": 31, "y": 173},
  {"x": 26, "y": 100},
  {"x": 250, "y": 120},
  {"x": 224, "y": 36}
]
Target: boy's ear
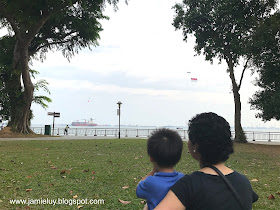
[{"x": 151, "y": 159}]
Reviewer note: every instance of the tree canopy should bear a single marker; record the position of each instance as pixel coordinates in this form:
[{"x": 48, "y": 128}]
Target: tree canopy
[
  {"x": 266, "y": 57},
  {"x": 41, "y": 25},
  {"x": 7, "y": 44},
  {"x": 54, "y": 24},
  {"x": 223, "y": 30},
  {"x": 6, "y": 58}
]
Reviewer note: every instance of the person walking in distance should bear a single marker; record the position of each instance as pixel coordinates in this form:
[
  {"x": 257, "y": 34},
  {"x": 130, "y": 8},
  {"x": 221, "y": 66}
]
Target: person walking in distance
[{"x": 66, "y": 130}]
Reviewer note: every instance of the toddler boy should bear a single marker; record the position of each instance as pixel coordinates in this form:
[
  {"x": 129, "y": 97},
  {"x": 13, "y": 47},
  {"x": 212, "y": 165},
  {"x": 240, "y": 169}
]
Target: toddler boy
[{"x": 164, "y": 148}]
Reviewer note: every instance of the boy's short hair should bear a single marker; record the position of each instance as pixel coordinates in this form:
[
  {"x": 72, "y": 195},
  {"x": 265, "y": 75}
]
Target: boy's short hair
[{"x": 165, "y": 147}]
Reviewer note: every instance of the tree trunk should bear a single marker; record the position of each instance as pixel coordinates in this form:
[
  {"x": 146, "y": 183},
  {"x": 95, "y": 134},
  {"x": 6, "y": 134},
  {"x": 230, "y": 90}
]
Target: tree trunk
[
  {"x": 15, "y": 98},
  {"x": 20, "y": 109},
  {"x": 20, "y": 121},
  {"x": 239, "y": 133}
]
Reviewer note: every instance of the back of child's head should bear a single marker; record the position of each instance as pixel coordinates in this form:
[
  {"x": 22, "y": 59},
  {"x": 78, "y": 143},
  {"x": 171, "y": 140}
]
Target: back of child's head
[{"x": 165, "y": 147}]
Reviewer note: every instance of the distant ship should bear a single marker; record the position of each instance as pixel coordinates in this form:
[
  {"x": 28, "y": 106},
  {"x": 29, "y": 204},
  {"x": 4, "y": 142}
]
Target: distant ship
[{"x": 84, "y": 123}]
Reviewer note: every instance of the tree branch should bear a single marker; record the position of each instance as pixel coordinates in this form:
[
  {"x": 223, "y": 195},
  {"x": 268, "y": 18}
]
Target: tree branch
[
  {"x": 36, "y": 48},
  {"x": 243, "y": 71},
  {"x": 9, "y": 18},
  {"x": 34, "y": 30},
  {"x": 229, "y": 61},
  {"x": 32, "y": 52}
]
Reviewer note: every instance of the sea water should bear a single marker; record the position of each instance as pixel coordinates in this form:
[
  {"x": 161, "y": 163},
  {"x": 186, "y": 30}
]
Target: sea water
[{"x": 252, "y": 133}]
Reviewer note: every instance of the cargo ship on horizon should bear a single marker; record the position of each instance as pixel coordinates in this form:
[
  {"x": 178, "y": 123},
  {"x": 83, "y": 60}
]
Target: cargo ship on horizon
[{"x": 84, "y": 123}]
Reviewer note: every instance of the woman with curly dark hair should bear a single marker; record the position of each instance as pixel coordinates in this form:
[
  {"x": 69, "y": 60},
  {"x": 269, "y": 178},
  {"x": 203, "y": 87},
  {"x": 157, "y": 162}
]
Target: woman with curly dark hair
[{"x": 214, "y": 186}]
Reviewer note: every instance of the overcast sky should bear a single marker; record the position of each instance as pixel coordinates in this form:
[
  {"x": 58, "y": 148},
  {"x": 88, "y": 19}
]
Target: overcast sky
[{"x": 144, "y": 63}]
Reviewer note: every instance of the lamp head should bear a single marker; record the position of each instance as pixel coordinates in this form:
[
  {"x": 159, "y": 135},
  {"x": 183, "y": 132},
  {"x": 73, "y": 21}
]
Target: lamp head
[{"x": 119, "y": 103}]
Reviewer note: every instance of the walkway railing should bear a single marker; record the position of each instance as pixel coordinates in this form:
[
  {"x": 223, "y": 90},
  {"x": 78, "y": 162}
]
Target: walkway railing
[{"x": 145, "y": 133}]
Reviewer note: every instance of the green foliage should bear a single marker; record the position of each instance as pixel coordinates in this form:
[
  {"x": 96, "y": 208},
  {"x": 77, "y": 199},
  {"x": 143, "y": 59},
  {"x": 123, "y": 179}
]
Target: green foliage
[
  {"x": 68, "y": 31},
  {"x": 39, "y": 26},
  {"x": 66, "y": 25},
  {"x": 266, "y": 54},
  {"x": 222, "y": 28},
  {"x": 8, "y": 93},
  {"x": 4, "y": 111},
  {"x": 42, "y": 84},
  {"x": 42, "y": 100},
  {"x": 6, "y": 52}
]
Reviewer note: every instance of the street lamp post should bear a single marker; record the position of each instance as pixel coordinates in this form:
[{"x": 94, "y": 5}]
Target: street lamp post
[{"x": 119, "y": 113}]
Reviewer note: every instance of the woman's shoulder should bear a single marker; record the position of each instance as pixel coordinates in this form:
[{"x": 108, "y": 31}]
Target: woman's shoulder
[
  {"x": 192, "y": 177},
  {"x": 198, "y": 175},
  {"x": 238, "y": 176}
]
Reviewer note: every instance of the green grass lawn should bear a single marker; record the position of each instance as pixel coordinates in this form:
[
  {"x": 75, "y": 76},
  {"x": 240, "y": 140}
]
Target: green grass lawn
[{"x": 99, "y": 169}]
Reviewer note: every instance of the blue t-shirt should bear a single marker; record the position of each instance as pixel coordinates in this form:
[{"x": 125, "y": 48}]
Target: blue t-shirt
[{"x": 154, "y": 188}]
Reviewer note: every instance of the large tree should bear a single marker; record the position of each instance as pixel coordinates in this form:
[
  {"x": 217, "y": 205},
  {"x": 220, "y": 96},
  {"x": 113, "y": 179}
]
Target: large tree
[
  {"x": 66, "y": 25},
  {"x": 266, "y": 57},
  {"x": 6, "y": 58},
  {"x": 223, "y": 30},
  {"x": 9, "y": 96}
]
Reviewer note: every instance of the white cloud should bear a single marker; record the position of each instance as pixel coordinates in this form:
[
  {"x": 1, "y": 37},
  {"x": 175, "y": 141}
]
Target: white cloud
[
  {"x": 143, "y": 62},
  {"x": 179, "y": 95}
]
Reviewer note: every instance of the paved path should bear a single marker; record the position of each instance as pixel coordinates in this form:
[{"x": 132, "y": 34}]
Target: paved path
[
  {"x": 67, "y": 137},
  {"x": 265, "y": 142},
  {"x": 72, "y": 137}
]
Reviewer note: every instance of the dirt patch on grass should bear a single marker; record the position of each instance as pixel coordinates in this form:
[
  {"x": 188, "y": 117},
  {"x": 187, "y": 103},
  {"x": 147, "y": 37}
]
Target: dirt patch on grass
[
  {"x": 269, "y": 150},
  {"x": 7, "y": 133}
]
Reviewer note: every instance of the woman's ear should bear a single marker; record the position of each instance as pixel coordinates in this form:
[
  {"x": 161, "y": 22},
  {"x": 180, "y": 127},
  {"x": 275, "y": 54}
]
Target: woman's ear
[
  {"x": 195, "y": 147},
  {"x": 196, "y": 155}
]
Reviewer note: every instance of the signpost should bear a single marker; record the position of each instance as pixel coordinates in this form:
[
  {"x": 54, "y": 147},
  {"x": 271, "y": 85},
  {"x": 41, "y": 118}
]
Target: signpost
[
  {"x": 119, "y": 113},
  {"x": 54, "y": 114}
]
